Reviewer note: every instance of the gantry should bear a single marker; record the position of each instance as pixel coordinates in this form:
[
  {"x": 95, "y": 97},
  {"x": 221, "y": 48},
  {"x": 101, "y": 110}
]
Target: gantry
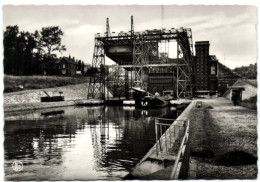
[{"x": 139, "y": 62}]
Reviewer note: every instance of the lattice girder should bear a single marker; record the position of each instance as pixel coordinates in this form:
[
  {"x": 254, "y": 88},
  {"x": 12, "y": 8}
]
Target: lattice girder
[{"x": 96, "y": 88}]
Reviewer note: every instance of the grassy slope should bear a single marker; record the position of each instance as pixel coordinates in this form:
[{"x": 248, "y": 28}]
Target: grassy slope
[
  {"x": 250, "y": 103},
  {"x": 11, "y": 83},
  {"x": 215, "y": 133}
]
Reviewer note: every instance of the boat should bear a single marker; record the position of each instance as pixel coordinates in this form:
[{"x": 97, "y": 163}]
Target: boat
[
  {"x": 152, "y": 101},
  {"x": 168, "y": 95},
  {"x": 144, "y": 99},
  {"x": 52, "y": 99},
  {"x": 49, "y": 98}
]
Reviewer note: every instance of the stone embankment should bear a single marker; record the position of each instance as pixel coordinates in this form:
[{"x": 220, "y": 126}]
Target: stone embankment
[{"x": 31, "y": 99}]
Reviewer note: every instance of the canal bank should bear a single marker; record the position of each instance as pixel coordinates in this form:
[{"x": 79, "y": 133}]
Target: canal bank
[
  {"x": 31, "y": 99},
  {"x": 159, "y": 161},
  {"x": 44, "y": 105},
  {"x": 223, "y": 143},
  {"x": 224, "y": 140}
]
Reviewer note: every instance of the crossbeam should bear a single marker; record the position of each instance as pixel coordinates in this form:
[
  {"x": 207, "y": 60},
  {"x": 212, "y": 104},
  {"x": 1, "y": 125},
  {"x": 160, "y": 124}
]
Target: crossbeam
[
  {"x": 145, "y": 65},
  {"x": 147, "y": 35}
]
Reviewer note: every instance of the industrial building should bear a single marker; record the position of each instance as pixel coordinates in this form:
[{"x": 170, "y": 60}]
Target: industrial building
[{"x": 212, "y": 77}]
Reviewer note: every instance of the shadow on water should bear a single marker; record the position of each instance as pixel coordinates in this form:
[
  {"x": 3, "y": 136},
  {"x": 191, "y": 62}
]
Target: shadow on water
[
  {"x": 53, "y": 113},
  {"x": 80, "y": 143}
]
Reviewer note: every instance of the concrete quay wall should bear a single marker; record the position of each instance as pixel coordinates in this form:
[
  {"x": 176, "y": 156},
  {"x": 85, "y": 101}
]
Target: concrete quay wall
[
  {"x": 43, "y": 105},
  {"x": 142, "y": 169},
  {"x": 31, "y": 99}
]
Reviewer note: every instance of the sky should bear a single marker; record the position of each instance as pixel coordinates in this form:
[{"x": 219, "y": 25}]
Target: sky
[{"x": 231, "y": 29}]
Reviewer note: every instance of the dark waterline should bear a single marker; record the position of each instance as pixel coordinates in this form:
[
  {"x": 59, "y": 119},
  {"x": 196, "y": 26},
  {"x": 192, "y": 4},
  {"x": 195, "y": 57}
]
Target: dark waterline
[{"x": 79, "y": 143}]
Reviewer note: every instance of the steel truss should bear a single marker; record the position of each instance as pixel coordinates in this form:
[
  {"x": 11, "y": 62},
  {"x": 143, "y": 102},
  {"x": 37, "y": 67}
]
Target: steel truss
[
  {"x": 184, "y": 64},
  {"x": 145, "y": 60},
  {"x": 140, "y": 58},
  {"x": 96, "y": 88}
]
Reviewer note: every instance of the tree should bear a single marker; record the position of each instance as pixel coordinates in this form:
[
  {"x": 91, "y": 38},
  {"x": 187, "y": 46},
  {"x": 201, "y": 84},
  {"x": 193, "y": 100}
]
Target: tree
[
  {"x": 50, "y": 40},
  {"x": 18, "y": 51},
  {"x": 26, "y": 53},
  {"x": 29, "y": 63},
  {"x": 249, "y": 72},
  {"x": 10, "y": 45}
]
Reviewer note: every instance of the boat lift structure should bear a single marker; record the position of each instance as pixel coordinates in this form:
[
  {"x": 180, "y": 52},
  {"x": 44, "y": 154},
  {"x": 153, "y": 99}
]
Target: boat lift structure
[{"x": 139, "y": 63}]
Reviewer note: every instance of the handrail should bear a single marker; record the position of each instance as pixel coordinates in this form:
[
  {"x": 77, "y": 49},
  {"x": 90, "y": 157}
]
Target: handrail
[
  {"x": 171, "y": 119},
  {"x": 165, "y": 119},
  {"x": 186, "y": 135},
  {"x": 167, "y": 139}
]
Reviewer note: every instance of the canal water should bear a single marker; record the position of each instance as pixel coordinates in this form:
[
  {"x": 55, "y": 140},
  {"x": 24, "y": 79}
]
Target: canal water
[{"x": 79, "y": 143}]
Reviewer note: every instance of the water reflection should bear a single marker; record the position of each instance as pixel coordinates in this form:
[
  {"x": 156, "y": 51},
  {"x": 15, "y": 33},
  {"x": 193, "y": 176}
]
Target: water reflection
[{"x": 79, "y": 143}]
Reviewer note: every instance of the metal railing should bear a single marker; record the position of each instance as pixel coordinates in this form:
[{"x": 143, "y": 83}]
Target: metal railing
[
  {"x": 173, "y": 140},
  {"x": 168, "y": 136},
  {"x": 182, "y": 162}
]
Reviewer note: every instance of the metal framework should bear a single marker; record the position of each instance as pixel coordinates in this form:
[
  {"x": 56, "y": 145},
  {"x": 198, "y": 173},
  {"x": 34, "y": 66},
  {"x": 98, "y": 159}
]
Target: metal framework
[
  {"x": 184, "y": 67},
  {"x": 139, "y": 58},
  {"x": 96, "y": 88}
]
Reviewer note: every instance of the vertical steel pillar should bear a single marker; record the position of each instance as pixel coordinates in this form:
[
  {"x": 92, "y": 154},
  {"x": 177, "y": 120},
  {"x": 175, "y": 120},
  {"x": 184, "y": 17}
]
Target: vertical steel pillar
[
  {"x": 132, "y": 26},
  {"x": 96, "y": 88},
  {"x": 126, "y": 83},
  {"x": 192, "y": 63},
  {"x": 107, "y": 28},
  {"x": 138, "y": 61},
  {"x": 184, "y": 70}
]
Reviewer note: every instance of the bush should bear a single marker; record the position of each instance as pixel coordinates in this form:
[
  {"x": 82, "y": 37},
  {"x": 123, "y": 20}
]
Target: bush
[{"x": 250, "y": 103}]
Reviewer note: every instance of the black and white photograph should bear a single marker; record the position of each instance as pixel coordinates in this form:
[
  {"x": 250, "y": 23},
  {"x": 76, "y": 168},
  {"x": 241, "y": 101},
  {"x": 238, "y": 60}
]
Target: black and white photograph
[{"x": 129, "y": 92}]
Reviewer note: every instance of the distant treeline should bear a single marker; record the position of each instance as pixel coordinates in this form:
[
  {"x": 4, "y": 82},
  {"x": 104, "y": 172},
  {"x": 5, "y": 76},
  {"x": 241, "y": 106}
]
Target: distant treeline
[
  {"x": 249, "y": 72},
  {"x": 25, "y": 53}
]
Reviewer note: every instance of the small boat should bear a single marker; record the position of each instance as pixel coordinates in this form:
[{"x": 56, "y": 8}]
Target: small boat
[
  {"x": 180, "y": 102},
  {"x": 168, "y": 95},
  {"x": 52, "y": 99},
  {"x": 49, "y": 98},
  {"x": 129, "y": 102},
  {"x": 143, "y": 98},
  {"x": 152, "y": 101}
]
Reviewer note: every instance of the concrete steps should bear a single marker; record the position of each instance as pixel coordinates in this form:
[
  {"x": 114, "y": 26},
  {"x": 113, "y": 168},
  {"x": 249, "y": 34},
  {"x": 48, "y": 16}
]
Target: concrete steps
[{"x": 165, "y": 173}]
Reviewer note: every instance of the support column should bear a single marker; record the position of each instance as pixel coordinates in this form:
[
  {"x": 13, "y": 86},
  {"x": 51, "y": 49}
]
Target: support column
[
  {"x": 96, "y": 88},
  {"x": 137, "y": 60},
  {"x": 184, "y": 70}
]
